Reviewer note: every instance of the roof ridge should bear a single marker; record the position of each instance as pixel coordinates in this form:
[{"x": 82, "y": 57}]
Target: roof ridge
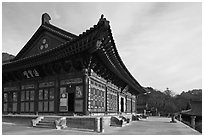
[{"x": 62, "y": 32}]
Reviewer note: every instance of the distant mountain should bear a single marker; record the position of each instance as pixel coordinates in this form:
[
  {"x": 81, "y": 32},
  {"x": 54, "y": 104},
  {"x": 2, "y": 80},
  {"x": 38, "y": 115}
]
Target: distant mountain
[
  {"x": 6, "y": 57},
  {"x": 195, "y": 94}
]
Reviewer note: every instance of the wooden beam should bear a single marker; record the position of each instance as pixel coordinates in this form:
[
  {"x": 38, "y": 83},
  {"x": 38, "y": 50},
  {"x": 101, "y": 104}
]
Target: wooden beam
[
  {"x": 18, "y": 75},
  {"x": 77, "y": 63},
  {"x": 66, "y": 65},
  {"x": 47, "y": 69},
  {"x": 57, "y": 67}
]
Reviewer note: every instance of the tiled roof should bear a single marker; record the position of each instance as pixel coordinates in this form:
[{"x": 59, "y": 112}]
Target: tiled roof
[
  {"x": 107, "y": 51},
  {"x": 196, "y": 109}
]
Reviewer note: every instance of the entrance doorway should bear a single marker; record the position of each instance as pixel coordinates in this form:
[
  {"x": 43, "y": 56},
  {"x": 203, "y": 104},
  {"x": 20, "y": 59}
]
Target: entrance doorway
[
  {"x": 67, "y": 97},
  {"x": 71, "y": 102},
  {"x": 122, "y": 104}
]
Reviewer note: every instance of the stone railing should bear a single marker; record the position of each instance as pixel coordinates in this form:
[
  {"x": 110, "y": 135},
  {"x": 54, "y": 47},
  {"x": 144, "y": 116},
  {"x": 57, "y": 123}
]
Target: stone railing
[
  {"x": 116, "y": 121},
  {"x": 125, "y": 119},
  {"x": 37, "y": 120},
  {"x": 136, "y": 117},
  {"x": 61, "y": 123}
]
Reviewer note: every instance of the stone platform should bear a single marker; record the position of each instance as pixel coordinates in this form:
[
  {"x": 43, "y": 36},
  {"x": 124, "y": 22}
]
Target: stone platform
[
  {"x": 97, "y": 123},
  {"x": 150, "y": 126}
]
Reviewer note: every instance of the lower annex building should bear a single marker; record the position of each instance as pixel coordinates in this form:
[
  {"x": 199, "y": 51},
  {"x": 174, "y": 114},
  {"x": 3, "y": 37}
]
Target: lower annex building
[{"x": 60, "y": 73}]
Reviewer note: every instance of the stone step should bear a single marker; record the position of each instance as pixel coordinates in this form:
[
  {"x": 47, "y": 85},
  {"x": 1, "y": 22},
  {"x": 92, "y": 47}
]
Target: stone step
[
  {"x": 51, "y": 118},
  {"x": 45, "y": 121},
  {"x": 45, "y": 125},
  {"x": 49, "y": 122}
]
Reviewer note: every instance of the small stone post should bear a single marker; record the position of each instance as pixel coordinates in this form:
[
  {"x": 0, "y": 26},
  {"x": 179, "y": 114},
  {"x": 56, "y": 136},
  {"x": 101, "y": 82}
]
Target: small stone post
[
  {"x": 193, "y": 121},
  {"x": 173, "y": 118},
  {"x": 99, "y": 124},
  {"x": 180, "y": 119}
]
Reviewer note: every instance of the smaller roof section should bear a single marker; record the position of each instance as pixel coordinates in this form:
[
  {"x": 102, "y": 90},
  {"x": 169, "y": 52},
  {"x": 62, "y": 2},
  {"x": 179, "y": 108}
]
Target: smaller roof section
[{"x": 196, "y": 108}]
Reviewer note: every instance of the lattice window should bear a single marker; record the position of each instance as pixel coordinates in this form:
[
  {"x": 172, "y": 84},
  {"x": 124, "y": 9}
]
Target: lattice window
[
  {"x": 46, "y": 100},
  {"x": 111, "y": 100},
  {"x": 10, "y": 98},
  {"x": 128, "y": 105},
  {"x": 27, "y": 100},
  {"x": 97, "y": 96}
]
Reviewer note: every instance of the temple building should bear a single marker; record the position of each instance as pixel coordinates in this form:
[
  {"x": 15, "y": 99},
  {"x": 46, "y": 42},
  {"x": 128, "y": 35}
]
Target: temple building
[{"x": 60, "y": 73}]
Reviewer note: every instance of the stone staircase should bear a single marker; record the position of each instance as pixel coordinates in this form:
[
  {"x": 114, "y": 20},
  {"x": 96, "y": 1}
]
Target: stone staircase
[{"x": 49, "y": 122}]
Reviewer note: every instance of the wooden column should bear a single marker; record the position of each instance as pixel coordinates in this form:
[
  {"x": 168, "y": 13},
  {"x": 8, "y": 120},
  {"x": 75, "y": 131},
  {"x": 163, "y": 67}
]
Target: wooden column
[
  {"x": 2, "y": 99},
  {"x": 18, "y": 99},
  {"x": 106, "y": 100},
  {"x": 86, "y": 91},
  {"x": 126, "y": 103},
  {"x": 57, "y": 96},
  {"x": 131, "y": 104},
  {"x": 118, "y": 103},
  {"x": 36, "y": 98},
  {"x": 135, "y": 103}
]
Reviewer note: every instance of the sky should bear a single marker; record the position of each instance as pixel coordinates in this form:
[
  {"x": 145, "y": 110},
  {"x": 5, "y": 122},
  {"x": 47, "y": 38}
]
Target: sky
[{"x": 159, "y": 43}]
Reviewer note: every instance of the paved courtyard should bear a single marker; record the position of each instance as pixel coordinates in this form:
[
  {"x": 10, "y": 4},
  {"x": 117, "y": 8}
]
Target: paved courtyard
[{"x": 150, "y": 126}]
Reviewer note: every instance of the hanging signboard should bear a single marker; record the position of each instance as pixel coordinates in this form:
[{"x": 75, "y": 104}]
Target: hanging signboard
[
  {"x": 46, "y": 84},
  {"x": 63, "y": 99},
  {"x": 71, "y": 81},
  {"x": 11, "y": 88},
  {"x": 29, "y": 86},
  {"x": 31, "y": 73}
]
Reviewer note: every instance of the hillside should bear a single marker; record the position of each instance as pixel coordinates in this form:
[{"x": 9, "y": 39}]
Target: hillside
[{"x": 6, "y": 57}]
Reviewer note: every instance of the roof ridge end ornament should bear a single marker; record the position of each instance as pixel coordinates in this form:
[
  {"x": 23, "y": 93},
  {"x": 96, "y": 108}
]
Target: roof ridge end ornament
[
  {"x": 45, "y": 18},
  {"x": 103, "y": 20}
]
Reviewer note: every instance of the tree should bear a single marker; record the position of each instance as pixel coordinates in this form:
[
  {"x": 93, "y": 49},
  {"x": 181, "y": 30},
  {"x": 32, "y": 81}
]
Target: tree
[
  {"x": 168, "y": 102},
  {"x": 188, "y": 106},
  {"x": 169, "y": 92},
  {"x": 155, "y": 99},
  {"x": 183, "y": 100}
]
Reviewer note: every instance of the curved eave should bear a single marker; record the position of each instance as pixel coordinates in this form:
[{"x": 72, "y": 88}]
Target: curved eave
[
  {"x": 109, "y": 55},
  {"x": 136, "y": 85}
]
